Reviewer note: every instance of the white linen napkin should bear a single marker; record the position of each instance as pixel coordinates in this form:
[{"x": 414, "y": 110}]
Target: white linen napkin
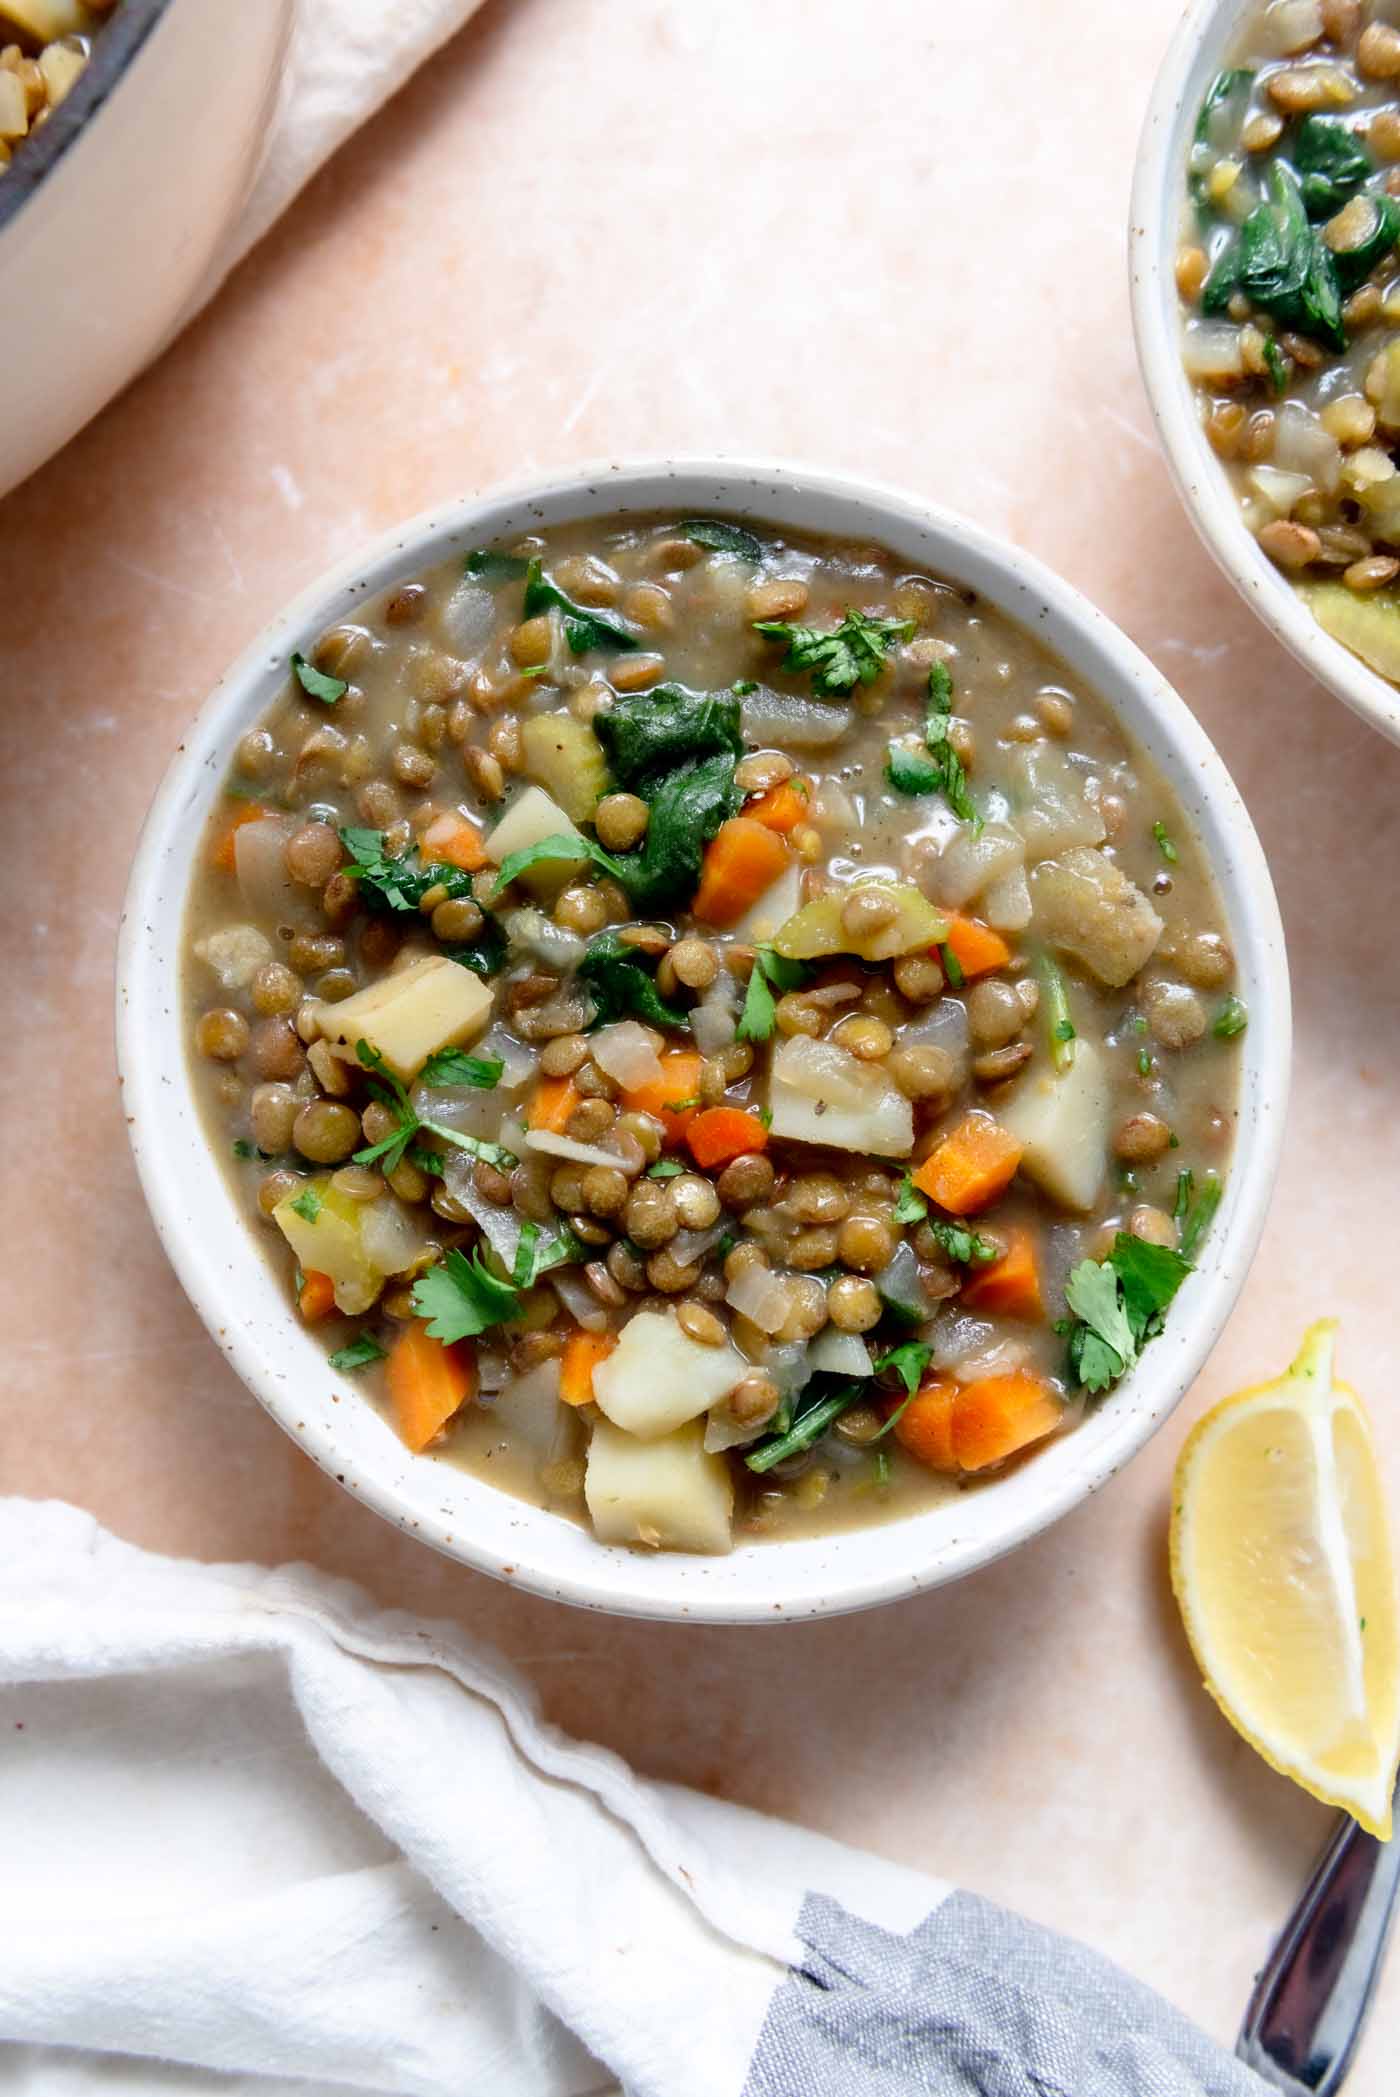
[
  {"x": 344, "y": 59},
  {"x": 258, "y": 1836}
]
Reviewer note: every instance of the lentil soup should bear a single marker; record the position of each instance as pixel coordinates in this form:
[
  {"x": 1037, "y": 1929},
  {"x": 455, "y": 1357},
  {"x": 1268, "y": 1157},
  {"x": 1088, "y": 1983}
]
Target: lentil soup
[
  {"x": 718, "y": 1031},
  {"x": 1290, "y": 289}
]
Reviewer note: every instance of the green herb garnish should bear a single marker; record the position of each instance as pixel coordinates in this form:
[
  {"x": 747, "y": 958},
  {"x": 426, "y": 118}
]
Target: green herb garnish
[
  {"x": 452, "y": 1066},
  {"x": 1276, "y": 364},
  {"x": 910, "y": 1206},
  {"x": 583, "y": 630},
  {"x": 460, "y": 1298},
  {"x": 1232, "y": 1019},
  {"x": 962, "y": 1244},
  {"x": 909, "y": 1362},
  {"x": 855, "y": 652},
  {"x": 742, "y": 687},
  {"x": 359, "y": 1353},
  {"x": 1164, "y": 843},
  {"x": 308, "y": 1204},
  {"x": 316, "y": 683},
  {"x": 1059, "y": 1017},
  {"x": 717, "y": 537},
  {"x": 547, "y": 849},
  {"x": 1119, "y": 1304},
  {"x": 242, "y": 1148},
  {"x": 619, "y": 984},
  {"x": 934, "y": 767},
  {"x": 665, "y": 1169},
  {"x": 536, "y": 1254},
  {"x": 809, "y": 1426},
  {"x": 1144, "y": 1063},
  {"x": 390, "y": 1151},
  {"x": 952, "y": 967},
  {"x": 687, "y": 808},
  {"x": 399, "y": 884},
  {"x": 772, "y": 973}
]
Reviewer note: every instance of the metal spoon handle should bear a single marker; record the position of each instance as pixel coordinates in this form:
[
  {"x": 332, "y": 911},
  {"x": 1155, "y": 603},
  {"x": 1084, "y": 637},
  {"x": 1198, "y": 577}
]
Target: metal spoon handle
[{"x": 1310, "y": 2002}]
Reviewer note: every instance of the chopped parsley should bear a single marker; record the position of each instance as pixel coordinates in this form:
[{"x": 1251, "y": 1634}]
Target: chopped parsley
[
  {"x": 243, "y": 1148},
  {"x": 583, "y": 630},
  {"x": 855, "y": 652},
  {"x": 718, "y": 537},
  {"x": 935, "y": 768},
  {"x": 1232, "y": 1019},
  {"x": 390, "y": 1151},
  {"x": 360, "y": 1352},
  {"x": 451, "y": 1066},
  {"x": 308, "y": 1204},
  {"x": 460, "y": 1298},
  {"x": 399, "y": 884},
  {"x": 316, "y": 683},
  {"x": 909, "y": 1362},
  {"x": 741, "y": 689},
  {"x": 952, "y": 967},
  {"x": 546, "y": 849},
  {"x": 486, "y": 565},
  {"x": 962, "y": 1244},
  {"x": 665, "y": 1169},
  {"x": 1164, "y": 843},
  {"x": 910, "y": 1206},
  {"x": 1119, "y": 1304},
  {"x": 1194, "y": 1213},
  {"x": 772, "y": 973},
  {"x": 1144, "y": 1063}
]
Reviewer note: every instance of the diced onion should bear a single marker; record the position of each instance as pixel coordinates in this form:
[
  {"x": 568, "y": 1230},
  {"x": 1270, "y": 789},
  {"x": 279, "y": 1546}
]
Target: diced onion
[
  {"x": 1289, "y": 27},
  {"x": 760, "y": 1296},
  {"x": 468, "y": 617},
  {"x": 500, "y": 1224},
  {"x": 713, "y": 1025},
  {"x": 836, "y": 1353},
  {"x": 1212, "y": 350},
  {"x": 792, "y": 723},
  {"x": 689, "y": 1246},
  {"x": 1304, "y": 444},
  {"x": 535, "y": 934},
  {"x": 832, "y": 811},
  {"x": 389, "y": 1236},
  {"x": 1278, "y": 491},
  {"x": 789, "y": 1367},
  {"x": 1006, "y": 903},
  {"x": 970, "y": 863},
  {"x": 565, "y": 1147},
  {"x": 578, "y": 1299},
  {"x": 959, "y": 1338},
  {"x": 823, "y": 1070},
  {"x": 1000, "y": 1359},
  {"x": 235, "y": 954},
  {"x": 259, "y": 852},
  {"x": 626, "y": 1051},
  {"x": 723, "y": 1432},
  {"x": 943, "y": 1025}
]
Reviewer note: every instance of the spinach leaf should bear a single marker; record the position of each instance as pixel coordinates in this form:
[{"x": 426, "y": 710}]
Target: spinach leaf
[
  {"x": 1282, "y": 266},
  {"x": 1235, "y": 80},
  {"x": 1332, "y": 164},
  {"x": 619, "y": 984},
  {"x": 1354, "y": 265},
  {"x": 316, "y": 683},
  {"x": 488, "y": 566},
  {"x": 718, "y": 537},
  {"x": 485, "y": 955},
  {"x": 686, "y": 811},
  {"x": 855, "y": 652},
  {"x": 646, "y": 733},
  {"x": 582, "y": 629}
]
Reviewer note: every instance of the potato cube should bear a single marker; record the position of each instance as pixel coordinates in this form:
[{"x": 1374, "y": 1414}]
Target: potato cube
[
  {"x": 528, "y": 821},
  {"x": 657, "y": 1377},
  {"x": 669, "y": 1493},
  {"x": 1061, "y": 1118},
  {"x": 434, "y": 1003}
]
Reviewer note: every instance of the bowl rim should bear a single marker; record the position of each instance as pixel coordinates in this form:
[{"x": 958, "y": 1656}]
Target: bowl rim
[
  {"x": 1193, "y": 56},
  {"x": 114, "y": 48},
  {"x": 191, "y": 1204}
]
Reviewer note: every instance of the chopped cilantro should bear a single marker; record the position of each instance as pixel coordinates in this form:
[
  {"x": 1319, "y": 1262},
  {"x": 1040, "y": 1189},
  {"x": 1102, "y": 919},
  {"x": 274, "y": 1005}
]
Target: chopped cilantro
[
  {"x": 855, "y": 652},
  {"x": 390, "y": 1151},
  {"x": 359, "y": 1353},
  {"x": 936, "y": 768},
  {"x": 536, "y": 1254},
  {"x": 772, "y": 972},
  {"x": 316, "y": 683},
  {"x": 1164, "y": 843},
  {"x": 308, "y": 1204},
  {"x": 952, "y": 967},
  {"x": 459, "y": 1298},
  {"x": 963, "y": 1244},
  {"x": 910, "y": 1206},
  {"x": 398, "y": 884},
  {"x": 743, "y": 687},
  {"x": 1144, "y": 1063},
  {"x": 1231, "y": 1019},
  {"x": 665, "y": 1169},
  {"x": 555, "y": 848},
  {"x": 909, "y": 1362},
  {"x": 243, "y": 1148},
  {"x": 583, "y": 630},
  {"x": 807, "y": 1427},
  {"x": 1119, "y": 1304},
  {"x": 451, "y": 1066}
]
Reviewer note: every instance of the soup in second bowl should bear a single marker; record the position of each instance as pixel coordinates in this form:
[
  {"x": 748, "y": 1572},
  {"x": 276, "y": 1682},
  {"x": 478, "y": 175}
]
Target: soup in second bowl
[{"x": 716, "y": 1029}]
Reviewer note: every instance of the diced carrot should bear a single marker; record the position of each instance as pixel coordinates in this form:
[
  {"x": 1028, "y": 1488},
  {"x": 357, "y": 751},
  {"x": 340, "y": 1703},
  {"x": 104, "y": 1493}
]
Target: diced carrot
[
  {"x": 744, "y": 859},
  {"x": 1001, "y": 1414},
  {"x": 970, "y": 1166},
  {"x": 552, "y": 1102},
  {"x": 974, "y": 946},
  {"x": 782, "y": 808},
  {"x": 428, "y": 1383},
  {"x": 456, "y": 842},
  {"x": 674, "y": 1097},
  {"x": 583, "y": 1351},
  {"x": 224, "y": 856},
  {"x": 316, "y": 1298},
  {"x": 720, "y": 1134},
  {"x": 925, "y": 1427},
  {"x": 1010, "y": 1285}
]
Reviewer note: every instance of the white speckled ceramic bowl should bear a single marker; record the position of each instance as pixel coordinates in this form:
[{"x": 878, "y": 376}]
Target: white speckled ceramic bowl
[
  {"x": 1197, "y": 53},
  {"x": 224, "y": 1269}
]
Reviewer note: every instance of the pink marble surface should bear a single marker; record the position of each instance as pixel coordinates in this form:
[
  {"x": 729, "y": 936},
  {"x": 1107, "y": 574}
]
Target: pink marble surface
[{"x": 889, "y": 240}]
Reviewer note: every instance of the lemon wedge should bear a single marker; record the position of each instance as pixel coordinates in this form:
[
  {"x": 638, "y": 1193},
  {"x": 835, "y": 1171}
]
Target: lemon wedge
[{"x": 1282, "y": 1567}]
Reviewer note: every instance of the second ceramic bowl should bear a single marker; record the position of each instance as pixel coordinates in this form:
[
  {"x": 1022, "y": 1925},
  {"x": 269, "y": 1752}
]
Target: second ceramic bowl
[
  {"x": 246, "y": 1307},
  {"x": 1199, "y": 50}
]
